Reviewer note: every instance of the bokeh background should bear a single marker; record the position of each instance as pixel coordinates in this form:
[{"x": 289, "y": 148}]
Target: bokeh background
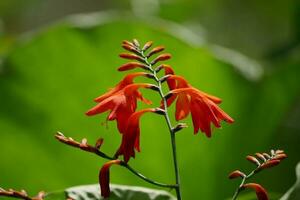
[{"x": 57, "y": 55}]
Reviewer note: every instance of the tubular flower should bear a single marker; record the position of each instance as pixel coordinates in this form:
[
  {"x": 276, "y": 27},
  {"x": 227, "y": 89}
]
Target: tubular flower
[
  {"x": 127, "y": 80},
  {"x": 104, "y": 177},
  {"x": 261, "y": 193},
  {"x": 131, "y": 136},
  {"x": 202, "y": 106},
  {"x": 121, "y": 104}
]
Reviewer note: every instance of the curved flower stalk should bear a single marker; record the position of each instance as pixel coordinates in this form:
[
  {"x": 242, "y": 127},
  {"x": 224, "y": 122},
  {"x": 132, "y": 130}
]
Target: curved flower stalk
[
  {"x": 104, "y": 177},
  {"x": 121, "y": 102},
  {"x": 21, "y": 194},
  {"x": 262, "y": 161}
]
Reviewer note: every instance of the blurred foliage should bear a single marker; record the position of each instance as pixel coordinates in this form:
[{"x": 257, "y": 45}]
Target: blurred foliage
[
  {"x": 294, "y": 192},
  {"x": 48, "y": 80}
]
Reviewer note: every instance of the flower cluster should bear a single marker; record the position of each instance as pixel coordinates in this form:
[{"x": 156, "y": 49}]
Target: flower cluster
[
  {"x": 121, "y": 101},
  {"x": 262, "y": 161}
]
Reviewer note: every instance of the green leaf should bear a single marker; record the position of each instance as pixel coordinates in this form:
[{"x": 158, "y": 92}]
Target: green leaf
[
  {"x": 118, "y": 192},
  {"x": 294, "y": 192}
]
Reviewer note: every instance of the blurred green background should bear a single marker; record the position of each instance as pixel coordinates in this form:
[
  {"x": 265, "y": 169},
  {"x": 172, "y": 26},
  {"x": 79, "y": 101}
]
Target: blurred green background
[{"x": 57, "y": 55}]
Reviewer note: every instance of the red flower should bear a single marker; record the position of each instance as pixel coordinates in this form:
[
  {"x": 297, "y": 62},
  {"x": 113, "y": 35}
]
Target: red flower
[
  {"x": 203, "y": 107},
  {"x": 104, "y": 177},
  {"x": 261, "y": 193},
  {"x": 121, "y": 103},
  {"x": 131, "y": 136},
  {"x": 127, "y": 80}
]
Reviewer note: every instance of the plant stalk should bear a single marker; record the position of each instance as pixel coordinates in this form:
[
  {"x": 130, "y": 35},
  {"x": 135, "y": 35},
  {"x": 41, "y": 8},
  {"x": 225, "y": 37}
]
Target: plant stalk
[{"x": 171, "y": 130}]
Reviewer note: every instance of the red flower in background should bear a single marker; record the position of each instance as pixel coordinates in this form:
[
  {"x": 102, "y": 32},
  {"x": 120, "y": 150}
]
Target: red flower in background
[
  {"x": 261, "y": 193},
  {"x": 121, "y": 103},
  {"x": 202, "y": 106},
  {"x": 131, "y": 136}
]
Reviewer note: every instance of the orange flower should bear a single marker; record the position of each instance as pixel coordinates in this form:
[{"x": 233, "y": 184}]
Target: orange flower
[
  {"x": 131, "y": 136},
  {"x": 121, "y": 103},
  {"x": 104, "y": 177},
  {"x": 127, "y": 80},
  {"x": 202, "y": 106}
]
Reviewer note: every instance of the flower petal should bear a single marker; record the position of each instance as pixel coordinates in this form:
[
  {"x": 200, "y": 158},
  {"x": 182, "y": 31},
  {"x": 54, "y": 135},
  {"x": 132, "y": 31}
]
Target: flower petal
[
  {"x": 182, "y": 107},
  {"x": 131, "y": 137}
]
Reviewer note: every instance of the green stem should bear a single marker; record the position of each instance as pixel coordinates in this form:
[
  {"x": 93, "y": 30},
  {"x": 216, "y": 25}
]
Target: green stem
[
  {"x": 171, "y": 130},
  {"x": 239, "y": 189},
  {"x": 124, "y": 164}
]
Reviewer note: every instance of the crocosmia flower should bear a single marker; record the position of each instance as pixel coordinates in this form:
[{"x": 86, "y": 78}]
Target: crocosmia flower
[
  {"x": 131, "y": 136},
  {"x": 202, "y": 106},
  {"x": 121, "y": 104}
]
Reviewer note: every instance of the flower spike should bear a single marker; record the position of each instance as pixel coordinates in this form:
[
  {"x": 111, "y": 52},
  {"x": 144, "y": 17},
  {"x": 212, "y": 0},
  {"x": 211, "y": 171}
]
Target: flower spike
[
  {"x": 267, "y": 161},
  {"x": 104, "y": 177}
]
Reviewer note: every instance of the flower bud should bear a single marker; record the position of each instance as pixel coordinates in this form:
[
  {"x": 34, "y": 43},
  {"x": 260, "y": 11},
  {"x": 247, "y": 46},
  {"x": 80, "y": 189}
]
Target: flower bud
[
  {"x": 131, "y": 56},
  {"x": 260, "y": 156},
  {"x": 147, "y": 46},
  {"x": 161, "y": 57},
  {"x": 235, "y": 174},
  {"x": 155, "y": 51},
  {"x": 269, "y": 164},
  {"x": 253, "y": 160}
]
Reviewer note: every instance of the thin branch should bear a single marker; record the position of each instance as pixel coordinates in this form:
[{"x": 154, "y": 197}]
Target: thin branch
[
  {"x": 21, "y": 194},
  {"x": 83, "y": 145}
]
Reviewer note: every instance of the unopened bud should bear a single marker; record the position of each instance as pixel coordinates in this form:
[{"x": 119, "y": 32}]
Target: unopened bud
[
  {"x": 155, "y": 51},
  {"x": 260, "y": 156},
  {"x": 154, "y": 87},
  {"x": 179, "y": 126},
  {"x": 147, "y": 45},
  {"x": 236, "y": 174},
  {"x": 136, "y": 42},
  {"x": 269, "y": 164},
  {"x": 164, "y": 78},
  {"x": 161, "y": 57},
  {"x": 99, "y": 143},
  {"x": 131, "y": 57},
  {"x": 160, "y": 111},
  {"x": 253, "y": 160}
]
